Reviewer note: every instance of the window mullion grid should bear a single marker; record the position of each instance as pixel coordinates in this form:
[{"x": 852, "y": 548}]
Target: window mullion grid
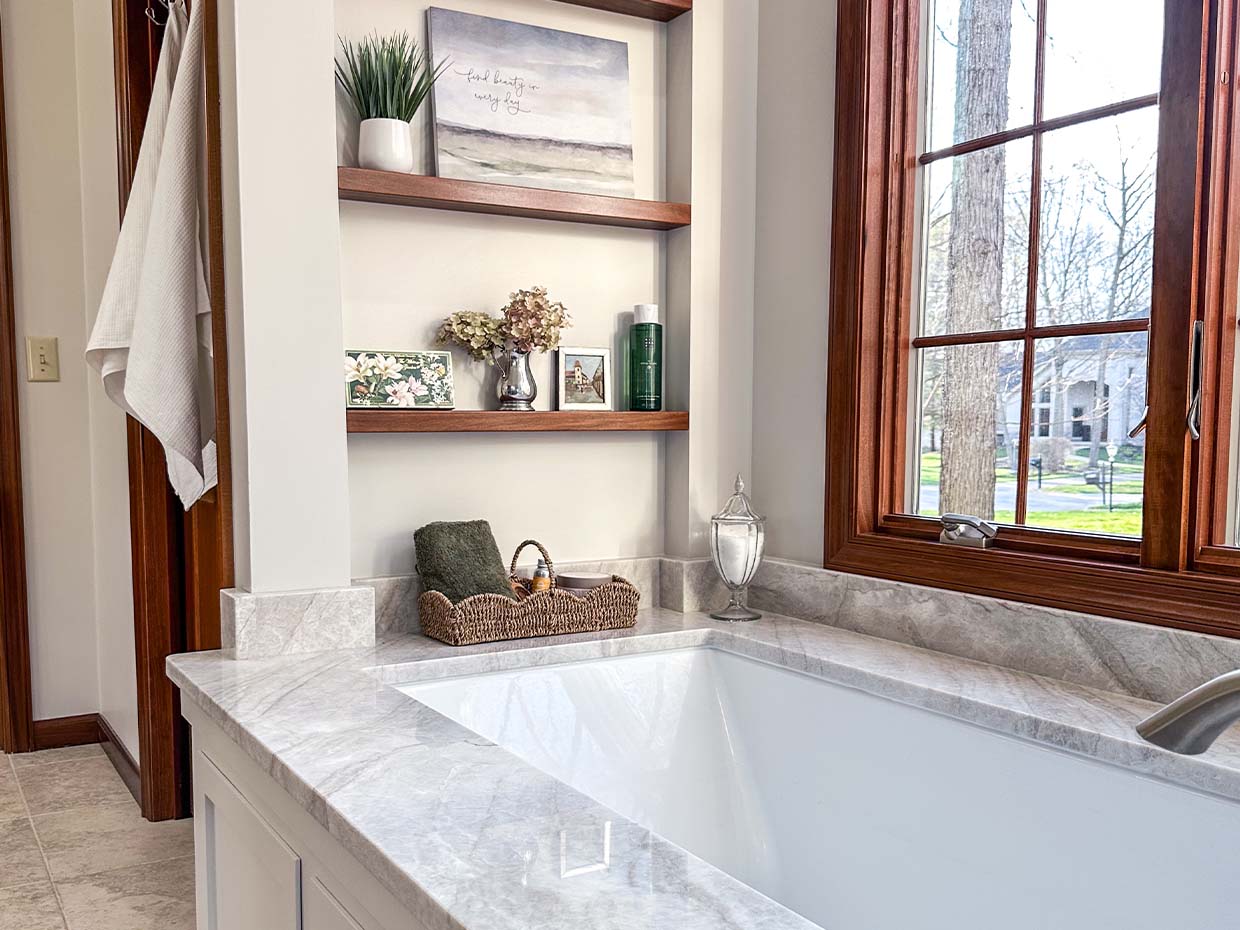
[
  {"x": 1060, "y": 331},
  {"x": 1043, "y": 125},
  {"x": 1031, "y": 294}
]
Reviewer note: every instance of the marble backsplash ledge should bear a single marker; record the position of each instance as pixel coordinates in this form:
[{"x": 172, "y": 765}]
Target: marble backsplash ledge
[
  {"x": 283, "y": 623},
  {"x": 692, "y": 585},
  {"x": 1150, "y": 662}
]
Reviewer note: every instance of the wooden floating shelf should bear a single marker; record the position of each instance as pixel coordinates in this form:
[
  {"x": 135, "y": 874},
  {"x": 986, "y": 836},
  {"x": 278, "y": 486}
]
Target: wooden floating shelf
[
  {"x": 662, "y": 10},
  {"x": 495, "y": 421},
  {"x": 417, "y": 190}
]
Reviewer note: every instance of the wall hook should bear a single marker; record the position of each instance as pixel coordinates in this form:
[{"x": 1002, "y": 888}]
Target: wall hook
[{"x": 150, "y": 12}]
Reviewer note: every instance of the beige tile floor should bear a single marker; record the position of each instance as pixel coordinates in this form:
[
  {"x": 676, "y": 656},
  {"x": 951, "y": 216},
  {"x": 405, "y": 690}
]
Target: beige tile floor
[{"x": 75, "y": 854}]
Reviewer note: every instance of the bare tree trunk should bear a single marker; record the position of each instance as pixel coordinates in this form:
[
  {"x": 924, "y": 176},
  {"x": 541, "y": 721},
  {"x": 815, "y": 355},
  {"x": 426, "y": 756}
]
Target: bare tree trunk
[{"x": 975, "y": 259}]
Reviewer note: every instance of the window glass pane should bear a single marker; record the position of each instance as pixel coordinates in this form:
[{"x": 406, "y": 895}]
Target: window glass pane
[
  {"x": 1100, "y": 52},
  {"x": 969, "y": 429},
  {"x": 1097, "y": 220},
  {"x": 981, "y": 68},
  {"x": 1086, "y": 474},
  {"x": 975, "y": 245}
]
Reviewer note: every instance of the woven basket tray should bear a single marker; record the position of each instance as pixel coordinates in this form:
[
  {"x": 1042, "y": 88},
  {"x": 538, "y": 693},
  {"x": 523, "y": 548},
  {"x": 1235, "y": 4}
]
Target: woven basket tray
[{"x": 488, "y": 618}]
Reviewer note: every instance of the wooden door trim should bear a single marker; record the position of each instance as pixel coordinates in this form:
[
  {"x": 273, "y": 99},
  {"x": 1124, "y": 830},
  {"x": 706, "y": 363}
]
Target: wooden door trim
[
  {"x": 154, "y": 517},
  {"x": 180, "y": 560},
  {"x": 16, "y": 701}
]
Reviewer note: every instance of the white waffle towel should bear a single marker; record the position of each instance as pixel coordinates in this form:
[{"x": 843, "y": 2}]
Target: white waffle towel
[{"x": 152, "y": 339}]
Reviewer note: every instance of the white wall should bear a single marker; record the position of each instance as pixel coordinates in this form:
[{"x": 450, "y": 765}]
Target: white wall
[
  {"x": 713, "y": 263},
  {"x": 796, "y": 88},
  {"x": 62, "y": 150},
  {"x": 41, "y": 93},
  {"x": 403, "y": 270},
  {"x": 584, "y": 496},
  {"x": 96, "y": 91}
]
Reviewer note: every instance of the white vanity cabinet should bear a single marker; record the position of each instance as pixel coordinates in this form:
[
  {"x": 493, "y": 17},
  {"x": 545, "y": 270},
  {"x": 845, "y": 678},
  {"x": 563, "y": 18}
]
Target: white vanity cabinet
[
  {"x": 262, "y": 863},
  {"x": 248, "y": 877},
  {"x": 321, "y": 910}
]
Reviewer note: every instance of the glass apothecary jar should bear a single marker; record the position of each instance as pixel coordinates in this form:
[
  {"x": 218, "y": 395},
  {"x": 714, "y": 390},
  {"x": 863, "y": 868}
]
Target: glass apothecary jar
[{"x": 737, "y": 538}]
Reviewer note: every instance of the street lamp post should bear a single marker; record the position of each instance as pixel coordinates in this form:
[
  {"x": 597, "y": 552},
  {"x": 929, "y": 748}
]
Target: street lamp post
[{"x": 1112, "y": 451}]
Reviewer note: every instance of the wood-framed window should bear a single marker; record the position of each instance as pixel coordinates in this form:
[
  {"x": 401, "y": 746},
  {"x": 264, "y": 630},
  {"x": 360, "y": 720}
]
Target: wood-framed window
[{"x": 1035, "y": 213}]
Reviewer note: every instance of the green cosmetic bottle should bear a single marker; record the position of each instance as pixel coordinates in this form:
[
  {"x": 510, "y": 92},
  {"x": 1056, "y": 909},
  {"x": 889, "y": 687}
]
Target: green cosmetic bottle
[{"x": 646, "y": 359}]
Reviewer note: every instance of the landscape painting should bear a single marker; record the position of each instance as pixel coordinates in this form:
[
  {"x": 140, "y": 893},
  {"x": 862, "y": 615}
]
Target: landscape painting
[
  {"x": 530, "y": 106},
  {"x": 585, "y": 378}
]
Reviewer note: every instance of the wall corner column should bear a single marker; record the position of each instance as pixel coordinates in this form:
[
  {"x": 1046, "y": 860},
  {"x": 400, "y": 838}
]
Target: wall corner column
[
  {"x": 711, "y": 268},
  {"x": 282, "y": 260}
]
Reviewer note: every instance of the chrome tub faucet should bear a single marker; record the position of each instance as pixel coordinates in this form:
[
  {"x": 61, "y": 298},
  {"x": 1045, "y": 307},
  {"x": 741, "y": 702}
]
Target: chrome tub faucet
[{"x": 1190, "y": 724}]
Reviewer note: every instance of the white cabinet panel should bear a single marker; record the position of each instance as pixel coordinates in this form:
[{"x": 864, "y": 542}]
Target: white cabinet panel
[
  {"x": 322, "y": 911},
  {"x": 249, "y": 878},
  {"x": 263, "y": 863}
]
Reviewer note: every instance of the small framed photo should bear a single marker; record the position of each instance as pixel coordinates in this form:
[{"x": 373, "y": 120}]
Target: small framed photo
[
  {"x": 585, "y": 378},
  {"x": 395, "y": 380}
]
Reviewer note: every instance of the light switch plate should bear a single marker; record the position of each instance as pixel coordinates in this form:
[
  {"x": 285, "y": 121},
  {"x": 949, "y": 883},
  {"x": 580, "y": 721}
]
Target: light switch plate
[{"x": 42, "y": 358}]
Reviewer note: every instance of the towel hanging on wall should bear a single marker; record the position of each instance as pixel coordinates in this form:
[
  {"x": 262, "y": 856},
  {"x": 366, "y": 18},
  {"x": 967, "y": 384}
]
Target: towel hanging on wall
[{"x": 152, "y": 338}]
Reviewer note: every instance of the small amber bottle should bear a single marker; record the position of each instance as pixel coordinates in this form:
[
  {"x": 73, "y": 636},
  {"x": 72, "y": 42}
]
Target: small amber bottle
[{"x": 542, "y": 578}]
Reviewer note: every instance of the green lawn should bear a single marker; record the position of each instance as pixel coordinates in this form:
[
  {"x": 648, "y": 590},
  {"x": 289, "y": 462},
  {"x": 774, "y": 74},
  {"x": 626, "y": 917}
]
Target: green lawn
[
  {"x": 1128, "y": 476},
  {"x": 1121, "y": 487},
  {"x": 1125, "y": 520}
]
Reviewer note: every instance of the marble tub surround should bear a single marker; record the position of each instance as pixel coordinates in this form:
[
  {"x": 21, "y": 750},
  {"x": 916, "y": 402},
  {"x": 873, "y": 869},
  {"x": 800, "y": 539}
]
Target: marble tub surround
[
  {"x": 465, "y": 835},
  {"x": 255, "y": 625},
  {"x": 396, "y": 596},
  {"x": 1154, "y": 663}
]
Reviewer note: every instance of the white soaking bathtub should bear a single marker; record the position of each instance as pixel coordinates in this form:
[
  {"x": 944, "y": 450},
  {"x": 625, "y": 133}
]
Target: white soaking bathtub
[{"x": 858, "y": 812}]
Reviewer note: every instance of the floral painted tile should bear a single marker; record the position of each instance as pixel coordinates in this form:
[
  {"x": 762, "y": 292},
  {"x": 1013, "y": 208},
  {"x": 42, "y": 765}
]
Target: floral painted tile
[{"x": 399, "y": 379}]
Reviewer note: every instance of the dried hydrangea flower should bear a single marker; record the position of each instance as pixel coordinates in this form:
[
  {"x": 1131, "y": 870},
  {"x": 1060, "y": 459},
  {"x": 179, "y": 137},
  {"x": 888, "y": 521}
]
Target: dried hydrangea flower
[
  {"x": 530, "y": 321},
  {"x": 533, "y": 321}
]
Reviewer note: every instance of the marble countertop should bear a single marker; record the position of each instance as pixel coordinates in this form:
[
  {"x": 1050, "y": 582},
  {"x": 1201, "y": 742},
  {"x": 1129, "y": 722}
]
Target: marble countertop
[{"x": 465, "y": 835}]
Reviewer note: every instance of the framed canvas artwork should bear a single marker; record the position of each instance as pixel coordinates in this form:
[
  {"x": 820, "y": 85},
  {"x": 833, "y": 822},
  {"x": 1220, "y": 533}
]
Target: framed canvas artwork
[
  {"x": 399, "y": 379},
  {"x": 530, "y": 106},
  {"x": 584, "y": 377}
]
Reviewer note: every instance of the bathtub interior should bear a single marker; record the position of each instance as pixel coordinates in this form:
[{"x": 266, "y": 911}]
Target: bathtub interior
[{"x": 855, "y": 811}]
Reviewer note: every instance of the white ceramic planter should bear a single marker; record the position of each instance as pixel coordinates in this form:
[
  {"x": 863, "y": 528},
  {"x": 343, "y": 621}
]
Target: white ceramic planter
[{"x": 386, "y": 145}]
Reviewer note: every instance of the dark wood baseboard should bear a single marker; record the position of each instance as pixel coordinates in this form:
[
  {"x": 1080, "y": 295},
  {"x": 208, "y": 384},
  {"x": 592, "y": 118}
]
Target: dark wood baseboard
[
  {"x": 59, "y": 732},
  {"x": 122, "y": 761}
]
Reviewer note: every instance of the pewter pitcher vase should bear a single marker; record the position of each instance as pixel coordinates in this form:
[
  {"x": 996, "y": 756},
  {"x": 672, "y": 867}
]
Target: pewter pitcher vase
[{"x": 517, "y": 389}]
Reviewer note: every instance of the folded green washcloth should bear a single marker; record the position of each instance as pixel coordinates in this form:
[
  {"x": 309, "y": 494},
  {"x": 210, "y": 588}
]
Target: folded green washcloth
[{"x": 460, "y": 560}]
